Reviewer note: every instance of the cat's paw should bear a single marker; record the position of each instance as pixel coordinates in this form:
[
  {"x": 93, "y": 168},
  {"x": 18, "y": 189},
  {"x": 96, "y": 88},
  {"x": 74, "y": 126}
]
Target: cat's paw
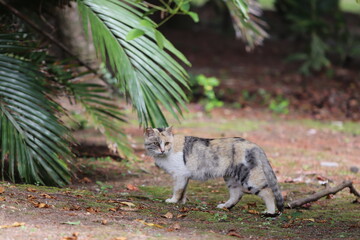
[
  {"x": 171, "y": 200},
  {"x": 221, "y": 205}
]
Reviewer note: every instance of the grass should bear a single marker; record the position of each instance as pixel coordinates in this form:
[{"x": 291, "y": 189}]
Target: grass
[{"x": 344, "y": 127}]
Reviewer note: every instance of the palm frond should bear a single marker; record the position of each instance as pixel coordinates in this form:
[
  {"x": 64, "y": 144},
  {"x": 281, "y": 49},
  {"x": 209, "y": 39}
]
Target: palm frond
[
  {"x": 32, "y": 138},
  {"x": 247, "y": 24},
  {"x": 149, "y": 75},
  {"x": 103, "y": 114}
]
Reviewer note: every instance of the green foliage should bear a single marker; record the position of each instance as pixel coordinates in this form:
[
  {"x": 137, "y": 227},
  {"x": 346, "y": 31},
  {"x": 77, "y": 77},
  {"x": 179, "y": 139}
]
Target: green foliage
[
  {"x": 34, "y": 144},
  {"x": 218, "y": 217},
  {"x": 321, "y": 26},
  {"x": 205, "y": 85},
  {"x": 279, "y": 105},
  {"x": 147, "y": 74},
  {"x": 247, "y": 24},
  {"x": 104, "y": 187}
]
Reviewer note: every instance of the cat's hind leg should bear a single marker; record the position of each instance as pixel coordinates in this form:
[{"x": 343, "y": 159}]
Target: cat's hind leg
[
  {"x": 179, "y": 190},
  {"x": 235, "y": 193}
]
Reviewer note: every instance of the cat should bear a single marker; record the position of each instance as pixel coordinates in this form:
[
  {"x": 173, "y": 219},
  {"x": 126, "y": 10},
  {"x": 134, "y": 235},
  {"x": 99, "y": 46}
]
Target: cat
[{"x": 243, "y": 165}]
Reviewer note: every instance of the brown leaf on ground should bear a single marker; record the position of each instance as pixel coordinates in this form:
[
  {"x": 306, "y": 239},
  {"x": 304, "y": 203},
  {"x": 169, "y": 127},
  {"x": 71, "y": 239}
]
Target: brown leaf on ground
[
  {"x": 2, "y": 199},
  {"x": 15, "y": 224},
  {"x": 131, "y": 187},
  {"x": 112, "y": 209},
  {"x": 119, "y": 238},
  {"x": 233, "y": 233},
  {"x": 252, "y": 205},
  {"x": 104, "y": 222},
  {"x": 41, "y": 205},
  {"x": 176, "y": 226},
  {"x": 129, "y": 204},
  {"x": 85, "y": 180},
  {"x": 181, "y": 215},
  {"x": 184, "y": 210},
  {"x": 92, "y": 210},
  {"x": 44, "y": 195},
  {"x": 75, "y": 208},
  {"x": 168, "y": 215},
  {"x": 2, "y": 190},
  {"x": 29, "y": 189},
  {"x": 31, "y": 197},
  {"x": 253, "y": 211},
  {"x": 149, "y": 224},
  {"x": 73, "y": 237}
]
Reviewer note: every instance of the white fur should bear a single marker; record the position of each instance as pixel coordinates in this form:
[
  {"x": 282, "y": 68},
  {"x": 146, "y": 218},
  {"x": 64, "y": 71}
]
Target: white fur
[{"x": 173, "y": 163}]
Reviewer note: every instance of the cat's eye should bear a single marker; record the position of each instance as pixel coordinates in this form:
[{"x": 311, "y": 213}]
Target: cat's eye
[
  {"x": 167, "y": 143},
  {"x": 156, "y": 143}
]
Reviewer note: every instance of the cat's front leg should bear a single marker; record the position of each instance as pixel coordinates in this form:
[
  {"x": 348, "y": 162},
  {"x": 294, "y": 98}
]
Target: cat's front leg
[{"x": 179, "y": 190}]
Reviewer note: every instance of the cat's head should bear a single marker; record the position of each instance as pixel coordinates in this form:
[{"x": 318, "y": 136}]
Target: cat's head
[{"x": 158, "y": 141}]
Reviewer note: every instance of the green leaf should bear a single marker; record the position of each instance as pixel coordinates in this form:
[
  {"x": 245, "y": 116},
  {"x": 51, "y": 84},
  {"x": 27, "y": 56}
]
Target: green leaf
[
  {"x": 144, "y": 69},
  {"x": 32, "y": 137},
  {"x": 159, "y": 39},
  {"x": 147, "y": 23},
  {"x": 194, "y": 16},
  {"x": 135, "y": 33}
]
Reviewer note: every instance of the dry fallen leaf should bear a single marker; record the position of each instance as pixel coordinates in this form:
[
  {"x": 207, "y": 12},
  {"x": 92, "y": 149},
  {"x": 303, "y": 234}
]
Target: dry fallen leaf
[
  {"x": 129, "y": 204},
  {"x": 2, "y": 199},
  {"x": 41, "y": 205},
  {"x": 176, "y": 226},
  {"x": 15, "y": 224},
  {"x": 29, "y": 189},
  {"x": 119, "y": 238},
  {"x": 321, "y": 221},
  {"x": 104, "y": 222},
  {"x": 73, "y": 237},
  {"x": 92, "y": 210},
  {"x": 31, "y": 197},
  {"x": 309, "y": 219},
  {"x": 2, "y": 189},
  {"x": 85, "y": 180},
  {"x": 253, "y": 211},
  {"x": 132, "y": 187},
  {"x": 149, "y": 224},
  {"x": 233, "y": 233},
  {"x": 168, "y": 215},
  {"x": 44, "y": 195},
  {"x": 75, "y": 208},
  {"x": 112, "y": 209}
]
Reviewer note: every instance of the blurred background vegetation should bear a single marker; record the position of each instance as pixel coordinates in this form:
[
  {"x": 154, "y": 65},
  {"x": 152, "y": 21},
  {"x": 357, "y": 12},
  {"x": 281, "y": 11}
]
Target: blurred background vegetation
[{"x": 157, "y": 56}]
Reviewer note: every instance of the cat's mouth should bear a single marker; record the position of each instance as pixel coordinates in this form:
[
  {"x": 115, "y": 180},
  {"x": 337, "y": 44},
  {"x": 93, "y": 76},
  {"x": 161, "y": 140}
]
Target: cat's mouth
[{"x": 161, "y": 154}]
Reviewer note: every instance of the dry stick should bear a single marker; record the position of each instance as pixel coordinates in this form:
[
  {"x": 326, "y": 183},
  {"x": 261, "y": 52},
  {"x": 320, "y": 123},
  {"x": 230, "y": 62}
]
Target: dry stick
[
  {"x": 318, "y": 195},
  {"x": 52, "y": 39}
]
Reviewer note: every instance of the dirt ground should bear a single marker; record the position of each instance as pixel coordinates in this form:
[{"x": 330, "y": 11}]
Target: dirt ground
[{"x": 122, "y": 200}]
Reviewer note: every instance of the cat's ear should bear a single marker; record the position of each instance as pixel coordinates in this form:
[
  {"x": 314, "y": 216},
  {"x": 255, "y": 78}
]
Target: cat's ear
[
  {"x": 169, "y": 130},
  {"x": 149, "y": 132}
]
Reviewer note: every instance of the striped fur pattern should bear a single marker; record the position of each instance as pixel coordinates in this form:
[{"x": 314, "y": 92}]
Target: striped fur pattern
[{"x": 243, "y": 165}]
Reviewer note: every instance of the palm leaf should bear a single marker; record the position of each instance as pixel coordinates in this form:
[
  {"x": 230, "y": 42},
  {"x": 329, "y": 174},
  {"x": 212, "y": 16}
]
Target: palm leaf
[
  {"x": 245, "y": 15},
  {"x": 32, "y": 138},
  {"x": 149, "y": 75},
  {"x": 104, "y": 115}
]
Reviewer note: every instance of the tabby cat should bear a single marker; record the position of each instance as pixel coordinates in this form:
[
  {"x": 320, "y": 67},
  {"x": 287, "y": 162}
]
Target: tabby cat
[{"x": 243, "y": 165}]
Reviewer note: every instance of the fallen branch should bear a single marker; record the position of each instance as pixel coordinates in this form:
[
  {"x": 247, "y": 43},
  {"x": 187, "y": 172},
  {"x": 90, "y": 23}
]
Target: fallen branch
[{"x": 326, "y": 192}]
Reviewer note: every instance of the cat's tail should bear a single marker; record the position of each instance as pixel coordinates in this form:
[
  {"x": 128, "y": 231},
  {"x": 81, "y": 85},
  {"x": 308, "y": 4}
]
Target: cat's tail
[{"x": 272, "y": 182}]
